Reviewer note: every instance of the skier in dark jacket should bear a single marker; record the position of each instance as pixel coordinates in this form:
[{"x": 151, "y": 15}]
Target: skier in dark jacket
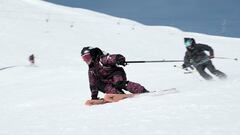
[
  {"x": 196, "y": 56},
  {"x": 106, "y": 74}
]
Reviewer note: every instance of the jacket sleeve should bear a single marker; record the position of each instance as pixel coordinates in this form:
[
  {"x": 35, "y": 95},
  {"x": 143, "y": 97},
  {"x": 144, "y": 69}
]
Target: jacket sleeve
[
  {"x": 93, "y": 84},
  {"x": 187, "y": 59},
  {"x": 111, "y": 60},
  {"x": 207, "y": 48}
]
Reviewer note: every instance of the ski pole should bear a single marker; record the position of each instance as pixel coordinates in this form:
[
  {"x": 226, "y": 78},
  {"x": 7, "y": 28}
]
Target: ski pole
[
  {"x": 154, "y": 61},
  {"x": 7, "y": 67},
  {"x": 226, "y": 58}
]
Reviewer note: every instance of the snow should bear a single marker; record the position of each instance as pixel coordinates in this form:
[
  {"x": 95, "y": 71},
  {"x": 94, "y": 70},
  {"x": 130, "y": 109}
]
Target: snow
[
  {"x": 48, "y": 99},
  {"x": 215, "y": 17}
]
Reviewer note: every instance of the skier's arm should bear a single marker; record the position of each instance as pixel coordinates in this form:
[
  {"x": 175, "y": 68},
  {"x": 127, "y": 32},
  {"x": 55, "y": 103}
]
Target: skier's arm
[
  {"x": 93, "y": 85},
  {"x": 187, "y": 62},
  {"x": 112, "y": 60},
  {"x": 207, "y": 48}
]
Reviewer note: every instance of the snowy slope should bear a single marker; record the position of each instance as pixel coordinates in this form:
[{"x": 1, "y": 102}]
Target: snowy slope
[
  {"x": 48, "y": 99},
  {"x": 215, "y": 17}
]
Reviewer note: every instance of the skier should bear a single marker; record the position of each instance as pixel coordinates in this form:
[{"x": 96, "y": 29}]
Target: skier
[
  {"x": 196, "y": 56},
  {"x": 106, "y": 75},
  {"x": 31, "y": 59}
]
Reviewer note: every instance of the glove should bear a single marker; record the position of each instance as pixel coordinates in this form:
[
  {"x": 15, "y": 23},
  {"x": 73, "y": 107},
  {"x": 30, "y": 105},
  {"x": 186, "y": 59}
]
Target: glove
[
  {"x": 121, "y": 60},
  {"x": 184, "y": 66}
]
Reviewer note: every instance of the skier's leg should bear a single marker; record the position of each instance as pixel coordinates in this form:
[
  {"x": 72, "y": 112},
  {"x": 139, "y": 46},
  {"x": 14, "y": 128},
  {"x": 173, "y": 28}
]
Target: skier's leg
[
  {"x": 120, "y": 82},
  {"x": 108, "y": 86},
  {"x": 111, "y": 89},
  {"x": 205, "y": 75},
  {"x": 135, "y": 87},
  {"x": 115, "y": 83},
  {"x": 128, "y": 85},
  {"x": 214, "y": 71}
]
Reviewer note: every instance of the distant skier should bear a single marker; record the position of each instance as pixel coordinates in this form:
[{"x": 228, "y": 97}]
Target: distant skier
[
  {"x": 196, "y": 56},
  {"x": 106, "y": 74},
  {"x": 31, "y": 59}
]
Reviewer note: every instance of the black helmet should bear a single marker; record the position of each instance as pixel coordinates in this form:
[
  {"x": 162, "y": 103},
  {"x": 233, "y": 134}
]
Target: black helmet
[
  {"x": 94, "y": 52},
  {"x": 86, "y": 50}
]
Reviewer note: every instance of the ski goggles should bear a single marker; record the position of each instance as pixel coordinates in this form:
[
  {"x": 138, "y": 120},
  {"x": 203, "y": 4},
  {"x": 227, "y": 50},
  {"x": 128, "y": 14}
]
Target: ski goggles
[
  {"x": 188, "y": 43},
  {"x": 87, "y": 57}
]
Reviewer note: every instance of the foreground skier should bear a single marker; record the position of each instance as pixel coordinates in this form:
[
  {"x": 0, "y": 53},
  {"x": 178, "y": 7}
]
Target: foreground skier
[
  {"x": 196, "y": 56},
  {"x": 106, "y": 75}
]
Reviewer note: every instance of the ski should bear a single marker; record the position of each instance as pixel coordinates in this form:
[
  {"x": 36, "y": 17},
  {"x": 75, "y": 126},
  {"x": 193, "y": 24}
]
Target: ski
[
  {"x": 162, "y": 92},
  {"x": 165, "y": 91},
  {"x": 112, "y": 98}
]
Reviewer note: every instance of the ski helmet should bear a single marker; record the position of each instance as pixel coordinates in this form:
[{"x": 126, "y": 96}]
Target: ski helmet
[
  {"x": 189, "y": 42},
  {"x": 89, "y": 53},
  {"x": 86, "y": 50},
  {"x": 86, "y": 54}
]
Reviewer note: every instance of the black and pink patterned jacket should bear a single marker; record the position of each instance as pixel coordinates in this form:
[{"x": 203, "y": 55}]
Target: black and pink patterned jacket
[{"x": 102, "y": 68}]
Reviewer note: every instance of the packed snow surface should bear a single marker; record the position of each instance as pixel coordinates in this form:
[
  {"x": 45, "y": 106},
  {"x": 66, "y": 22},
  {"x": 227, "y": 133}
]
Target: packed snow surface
[{"x": 48, "y": 99}]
